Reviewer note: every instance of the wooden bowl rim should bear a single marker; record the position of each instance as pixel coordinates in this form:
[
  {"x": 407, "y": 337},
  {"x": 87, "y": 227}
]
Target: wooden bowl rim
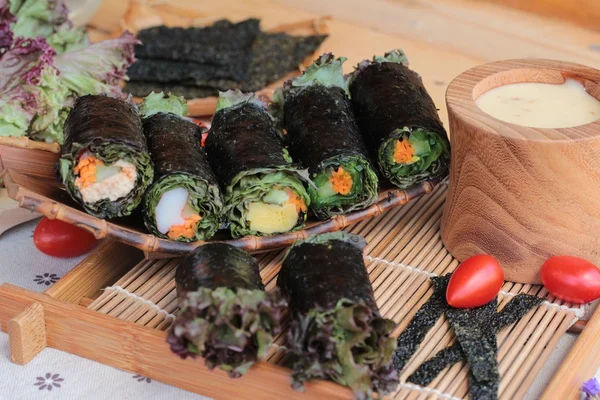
[{"x": 464, "y": 89}]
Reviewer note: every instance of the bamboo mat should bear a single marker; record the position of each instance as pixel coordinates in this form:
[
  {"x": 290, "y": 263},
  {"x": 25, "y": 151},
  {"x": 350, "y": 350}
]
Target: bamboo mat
[{"x": 404, "y": 249}]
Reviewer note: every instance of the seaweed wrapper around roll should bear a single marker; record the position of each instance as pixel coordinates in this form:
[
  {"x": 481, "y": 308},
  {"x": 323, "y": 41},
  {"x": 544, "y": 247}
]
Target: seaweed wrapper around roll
[
  {"x": 263, "y": 190},
  {"x": 105, "y": 165},
  {"x": 336, "y": 331},
  {"x": 225, "y": 316},
  {"x": 184, "y": 203},
  {"x": 316, "y": 112},
  {"x": 399, "y": 121}
]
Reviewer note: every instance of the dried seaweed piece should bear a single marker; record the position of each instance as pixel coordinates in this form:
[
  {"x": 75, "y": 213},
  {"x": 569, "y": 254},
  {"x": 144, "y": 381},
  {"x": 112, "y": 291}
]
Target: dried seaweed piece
[
  {"x": 143, "y": 89},
  {"x": 422, "y": 322},
  {"x": 275, "y": 55},
  {"x": 472, "y": 329},
  {"x": 516, "y": 309},
  {"x": 182, "y": 72},
  {"x": 223, "y": 43}
]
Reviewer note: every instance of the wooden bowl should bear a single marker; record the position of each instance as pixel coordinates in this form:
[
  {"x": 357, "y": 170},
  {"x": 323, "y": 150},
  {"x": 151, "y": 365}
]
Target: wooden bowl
[{"x": 517, "y": 193}]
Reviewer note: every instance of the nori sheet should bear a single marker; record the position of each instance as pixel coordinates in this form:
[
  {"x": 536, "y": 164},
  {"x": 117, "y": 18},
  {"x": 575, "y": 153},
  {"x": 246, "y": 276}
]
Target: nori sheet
[
  {"x": 143, "y": 89},
  {"x": 182, "y": 72},
  {"x": 224, "y": 43},
  {"x": 275, "y": 55},
  {"x": 320, "y": 125},
  {"x": 162, "y": 66},
  {"x": 217, "y": 265},
  {"x": 320, "y": 274},
  {"x": 243, "y": 138},
  {"x": 99, "y": 119},
  {"x": 477, "y": 338},
  {"x": 427, "y": 316}
]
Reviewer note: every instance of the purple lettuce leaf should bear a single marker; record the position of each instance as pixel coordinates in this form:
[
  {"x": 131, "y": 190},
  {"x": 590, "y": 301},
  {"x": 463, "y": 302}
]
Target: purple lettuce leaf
[{"x": 23, "y": 62}]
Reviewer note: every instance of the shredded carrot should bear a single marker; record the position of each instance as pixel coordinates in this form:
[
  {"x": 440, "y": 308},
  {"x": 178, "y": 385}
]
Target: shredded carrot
[
  {"x": 296, "y": 200},
  {"x": 86, "y": 169},
  {"x": 341, "y": 181},
  {"x": 188, "y": 229},
  {"x": 403, "y": 152}
]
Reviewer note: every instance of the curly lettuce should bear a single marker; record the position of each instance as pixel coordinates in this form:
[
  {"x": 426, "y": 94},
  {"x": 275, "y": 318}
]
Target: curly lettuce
[
  {"x": 37, "y": 86},
  {"x": 47, "y": 19}
]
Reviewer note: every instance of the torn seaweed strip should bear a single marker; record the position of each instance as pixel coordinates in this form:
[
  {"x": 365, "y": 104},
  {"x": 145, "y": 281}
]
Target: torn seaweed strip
[
  {"x": 422, "y": 322},
  {"x": 516, "y": 309}
]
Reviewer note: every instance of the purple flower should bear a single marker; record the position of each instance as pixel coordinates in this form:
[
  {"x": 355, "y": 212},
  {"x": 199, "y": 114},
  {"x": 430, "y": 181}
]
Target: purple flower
[
  {"x": 48, "y": 382},
  {"x": 591, "y": 389}
]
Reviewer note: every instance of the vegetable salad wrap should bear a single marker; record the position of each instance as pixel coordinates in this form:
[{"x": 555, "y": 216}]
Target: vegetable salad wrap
[
  {"x": 105, "y": 165},
  {"x": 324, "y": 137},
  {"x": 336, "y": 330},
  {"x": 263, "y": 190},
  {"x": 225, "y": 316},
  {"x": 399, "y": 121},
  {"x": 184, "y": 203}
]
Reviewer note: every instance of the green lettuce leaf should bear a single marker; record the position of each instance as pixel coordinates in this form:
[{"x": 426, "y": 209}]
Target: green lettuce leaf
[
  {"x": 155, "y": 103},
  {"x": 325, "y": 203}
]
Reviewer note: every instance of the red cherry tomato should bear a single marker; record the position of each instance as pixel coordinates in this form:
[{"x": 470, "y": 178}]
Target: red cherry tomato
[
  {"x": 476, "y": 282},
  {"x": 571, "y": 278},
  {"x": 60, "y": 239}
]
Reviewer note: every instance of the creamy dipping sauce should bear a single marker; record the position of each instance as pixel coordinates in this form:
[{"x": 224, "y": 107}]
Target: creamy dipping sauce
[{"x": 541, "y": 105}]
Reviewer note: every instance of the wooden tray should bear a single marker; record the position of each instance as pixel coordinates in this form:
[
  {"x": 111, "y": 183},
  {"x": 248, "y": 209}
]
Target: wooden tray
[
  {"x": 54, "y": 202},
  {"x": 115, "y": 308}
]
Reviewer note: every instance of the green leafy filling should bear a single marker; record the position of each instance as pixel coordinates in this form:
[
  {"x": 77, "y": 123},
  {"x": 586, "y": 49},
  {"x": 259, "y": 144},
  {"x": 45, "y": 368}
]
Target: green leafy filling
[
  {"x": 429, "y": 149},
  {"x": 325, "y": 201}
]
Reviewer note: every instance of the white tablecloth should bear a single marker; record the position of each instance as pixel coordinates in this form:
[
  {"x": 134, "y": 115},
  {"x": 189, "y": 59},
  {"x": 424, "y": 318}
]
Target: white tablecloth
[{"x": 55, "y": 374}]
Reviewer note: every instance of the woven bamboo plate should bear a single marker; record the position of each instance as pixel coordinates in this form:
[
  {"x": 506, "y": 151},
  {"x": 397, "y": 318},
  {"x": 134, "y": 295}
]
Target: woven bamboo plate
[
  {"x": 54, "y": 202},
  {"x": 130, "y": 302}
]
